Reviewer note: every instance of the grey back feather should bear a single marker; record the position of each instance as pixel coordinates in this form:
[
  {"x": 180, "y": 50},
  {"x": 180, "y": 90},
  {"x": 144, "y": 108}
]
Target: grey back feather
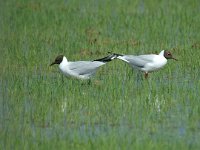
[
  {"x": 139, "y": 61},
  {"x": 85, "y": 67}
]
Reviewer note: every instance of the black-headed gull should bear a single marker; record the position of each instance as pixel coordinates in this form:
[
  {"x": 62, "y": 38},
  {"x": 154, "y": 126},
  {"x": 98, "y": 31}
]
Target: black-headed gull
[
  {"x": 147, "y": 63},
  {"x": 81, "y": 69}
]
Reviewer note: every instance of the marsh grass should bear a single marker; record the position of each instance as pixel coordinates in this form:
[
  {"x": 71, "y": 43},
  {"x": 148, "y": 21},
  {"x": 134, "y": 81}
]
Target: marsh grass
[{"x": 119, "y": 109}]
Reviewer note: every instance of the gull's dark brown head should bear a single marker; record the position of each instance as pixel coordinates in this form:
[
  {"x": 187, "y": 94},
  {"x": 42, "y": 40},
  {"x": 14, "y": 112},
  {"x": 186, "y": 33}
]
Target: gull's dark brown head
[
  {"x": 58, "y": 60},
  {"x": 168, "y": 55}
]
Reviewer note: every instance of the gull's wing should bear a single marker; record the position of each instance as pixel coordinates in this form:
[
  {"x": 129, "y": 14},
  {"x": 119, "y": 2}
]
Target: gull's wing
[
  {"x": 84, "y": 67},
  {"x": 138, "y": 61}
]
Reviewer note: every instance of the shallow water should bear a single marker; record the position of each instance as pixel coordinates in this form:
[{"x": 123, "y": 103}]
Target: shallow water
[{"x": 156, "y": 119}]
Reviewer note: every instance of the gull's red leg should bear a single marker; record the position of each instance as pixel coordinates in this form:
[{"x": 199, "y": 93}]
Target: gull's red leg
[{"x": 146, "y": 75}]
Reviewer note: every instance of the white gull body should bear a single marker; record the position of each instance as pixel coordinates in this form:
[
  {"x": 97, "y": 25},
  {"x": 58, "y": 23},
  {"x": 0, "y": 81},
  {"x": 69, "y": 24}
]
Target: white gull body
[
  {"x": 147, "y": 63},
  {"x": 81, "y": 69}
]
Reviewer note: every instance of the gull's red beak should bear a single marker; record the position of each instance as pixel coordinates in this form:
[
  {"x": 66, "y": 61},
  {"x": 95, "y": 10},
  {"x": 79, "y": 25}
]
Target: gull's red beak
[{"x": 52, "y": 64}]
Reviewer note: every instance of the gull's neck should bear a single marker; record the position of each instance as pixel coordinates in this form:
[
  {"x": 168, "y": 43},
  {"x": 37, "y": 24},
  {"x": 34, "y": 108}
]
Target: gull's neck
[
  {"x": 64, "y": 62},
  {"x": 162, "y": 53}
]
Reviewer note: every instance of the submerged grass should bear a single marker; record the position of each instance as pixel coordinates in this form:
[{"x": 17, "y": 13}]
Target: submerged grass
[{"x": 40, "y": 108}]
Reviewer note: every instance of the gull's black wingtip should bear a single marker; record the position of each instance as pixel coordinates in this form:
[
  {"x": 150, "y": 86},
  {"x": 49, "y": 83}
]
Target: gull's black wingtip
[{"x": 109, "y": 57}]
